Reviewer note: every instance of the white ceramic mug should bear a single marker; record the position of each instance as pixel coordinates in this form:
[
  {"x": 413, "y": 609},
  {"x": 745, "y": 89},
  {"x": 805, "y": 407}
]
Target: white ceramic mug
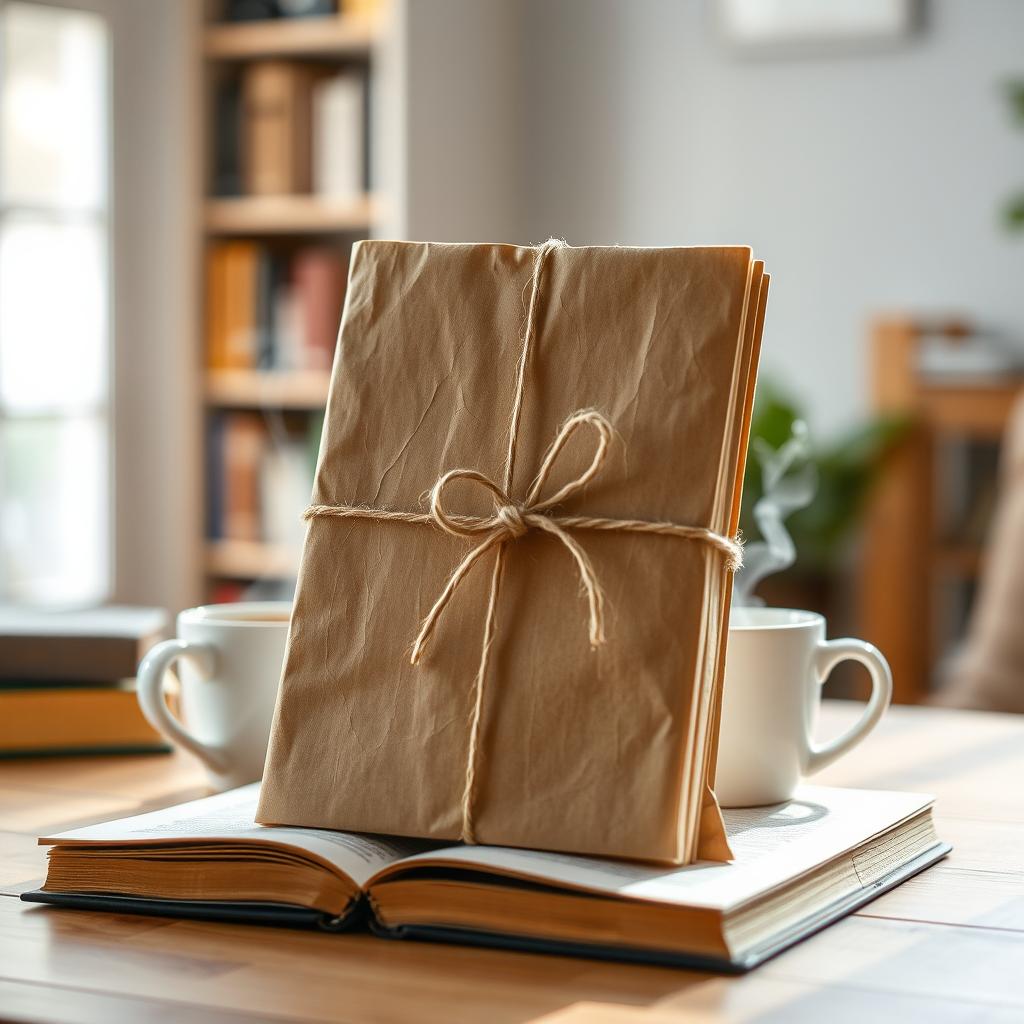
[
  {"x": 229, "y": 662},
  {"x": 776, "y": 664}
]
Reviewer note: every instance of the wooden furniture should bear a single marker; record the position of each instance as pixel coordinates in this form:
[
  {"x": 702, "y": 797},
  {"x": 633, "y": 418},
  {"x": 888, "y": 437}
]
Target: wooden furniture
[
  {"x": 906, "y": 556},
  {"x": 330, "y": 40},
  {"x": 945, "y": 946}
]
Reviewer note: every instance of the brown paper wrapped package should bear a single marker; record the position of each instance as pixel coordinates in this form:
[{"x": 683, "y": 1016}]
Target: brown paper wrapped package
[{"x": 604, "y": 750}]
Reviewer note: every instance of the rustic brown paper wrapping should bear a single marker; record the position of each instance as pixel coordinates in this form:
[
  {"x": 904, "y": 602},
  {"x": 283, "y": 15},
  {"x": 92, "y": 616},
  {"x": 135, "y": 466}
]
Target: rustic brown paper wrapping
[{"x": 599, "y": 751}]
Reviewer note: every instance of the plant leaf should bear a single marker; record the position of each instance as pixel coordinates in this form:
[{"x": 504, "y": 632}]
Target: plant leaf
[
  {"x": 1013, "y": 213},
  {"x": 1015, "y": 94}
]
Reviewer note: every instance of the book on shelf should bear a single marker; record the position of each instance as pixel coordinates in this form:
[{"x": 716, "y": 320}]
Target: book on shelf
[
  {"x": 259, "y": 476},
  {"x": 226, "y": 148},
  {"x": 245, "y": 440},
  {"x": 798, "y": 867},
  {"x": 264, "y": 588},
  {"x": 272, "y": 309},
  {"x": 262, "y": 10},
  {"x": 232, "y": 283},
  {"x": 227, "y": 592},
  {"x": 318, "y": 282},
  {"x": 362, "y": 8},
  {"x": 249, "y": 10},
  {"x": 71, "y": 718},
  {"x": 214, "y": 486},
  {"x": 339, "y": 135},
  {"x": 306, "y": 8},
  {"x": 286, "y": 483},
  {"x": 91, "y": 645},
  {"x": 276, "y": 127}
]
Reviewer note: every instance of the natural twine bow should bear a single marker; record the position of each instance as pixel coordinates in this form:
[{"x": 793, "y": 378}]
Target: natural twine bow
[{"x": 512, "y": 520}]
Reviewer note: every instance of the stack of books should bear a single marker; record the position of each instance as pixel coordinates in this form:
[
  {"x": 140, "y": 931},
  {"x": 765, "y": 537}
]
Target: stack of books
[
  {"x": 67, "y": 681},
  {"x": 272, "y": 309}
]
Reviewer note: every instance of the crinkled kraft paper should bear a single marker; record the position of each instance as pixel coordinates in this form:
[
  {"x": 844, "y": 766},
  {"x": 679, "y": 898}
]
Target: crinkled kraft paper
[{"x": 605, "y": 751}]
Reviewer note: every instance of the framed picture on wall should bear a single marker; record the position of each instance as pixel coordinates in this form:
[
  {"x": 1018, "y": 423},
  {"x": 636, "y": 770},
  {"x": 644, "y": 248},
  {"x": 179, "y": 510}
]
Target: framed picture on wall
[{"x": 813, "y": 26}]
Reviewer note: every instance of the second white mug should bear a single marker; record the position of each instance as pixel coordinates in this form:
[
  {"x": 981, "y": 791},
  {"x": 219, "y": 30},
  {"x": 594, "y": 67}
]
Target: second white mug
[{"x": 776, "y": 664}]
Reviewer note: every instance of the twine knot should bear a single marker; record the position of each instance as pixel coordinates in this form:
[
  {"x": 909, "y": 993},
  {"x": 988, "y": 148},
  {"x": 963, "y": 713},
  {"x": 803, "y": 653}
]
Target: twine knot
[
  {"x": 512, "y": 520},
  {"x": 511, "y": 517}
]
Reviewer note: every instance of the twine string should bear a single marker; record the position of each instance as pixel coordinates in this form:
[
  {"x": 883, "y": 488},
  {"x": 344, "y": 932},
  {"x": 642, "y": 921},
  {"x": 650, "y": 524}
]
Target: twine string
[{"x": 512, "y": 520}]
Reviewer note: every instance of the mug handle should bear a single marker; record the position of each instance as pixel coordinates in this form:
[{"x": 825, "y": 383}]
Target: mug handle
[
  {"x": 829, "y": 654},
  {"x": 150, "y": 690}
]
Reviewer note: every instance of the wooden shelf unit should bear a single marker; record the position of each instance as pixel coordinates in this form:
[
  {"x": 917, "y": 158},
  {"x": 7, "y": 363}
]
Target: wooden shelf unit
[
  {"x": 907, "y": 559},
  {"x": 223, "y": 47},
  {"x": 259, "y": 388},
  {"x": 288, "y": 215},
  {"x": 330, "y": 36},
  {"x": 245, "y": 560}
]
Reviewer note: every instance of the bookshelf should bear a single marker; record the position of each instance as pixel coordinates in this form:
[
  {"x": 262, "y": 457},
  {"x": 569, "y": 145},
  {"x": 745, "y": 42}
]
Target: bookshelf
[
  {"x": 247, "y": 560},
  {"x": 288, "y": 215},
  {"x": 328, "y": 36},
  {"x": 923, "y": 554},
  {"x": 267, "y": 227},
  {"x": 256, "y": 389}
]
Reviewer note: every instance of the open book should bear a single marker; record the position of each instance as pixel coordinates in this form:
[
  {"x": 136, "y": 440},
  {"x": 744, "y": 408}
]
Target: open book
[{"x": 798, "y": 867}]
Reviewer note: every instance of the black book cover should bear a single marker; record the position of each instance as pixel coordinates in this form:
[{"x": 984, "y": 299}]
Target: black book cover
[{"x": 226, "y": 142}]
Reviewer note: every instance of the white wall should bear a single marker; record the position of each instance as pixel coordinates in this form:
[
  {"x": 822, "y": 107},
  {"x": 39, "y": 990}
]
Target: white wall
[
  {"x": 867, "y": 181},
  {"x": 460, "y": 106},
  {"x": 156, "y": 509}
]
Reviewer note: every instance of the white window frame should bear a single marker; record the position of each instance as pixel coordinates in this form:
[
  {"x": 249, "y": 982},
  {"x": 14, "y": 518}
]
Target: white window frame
[{"x": 104, "y": 411}]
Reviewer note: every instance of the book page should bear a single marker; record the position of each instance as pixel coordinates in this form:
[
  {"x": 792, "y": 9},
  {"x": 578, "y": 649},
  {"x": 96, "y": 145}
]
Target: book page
[
  {"x": 772, "y": 846},
  {"x": 229, "y": 817}
]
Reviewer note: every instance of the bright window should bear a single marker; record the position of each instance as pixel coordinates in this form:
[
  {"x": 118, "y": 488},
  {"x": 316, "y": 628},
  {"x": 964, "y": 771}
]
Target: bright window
[{"x": 55, "y": 487}]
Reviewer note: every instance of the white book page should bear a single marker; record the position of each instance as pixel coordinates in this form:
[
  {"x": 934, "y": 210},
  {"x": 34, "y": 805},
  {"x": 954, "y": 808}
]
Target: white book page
[
  {"x": 230, "y": 816},
  {"x": 772, "y": 846}
]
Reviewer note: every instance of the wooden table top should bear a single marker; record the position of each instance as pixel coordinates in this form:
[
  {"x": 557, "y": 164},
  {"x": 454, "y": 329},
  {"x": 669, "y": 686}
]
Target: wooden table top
[{"x": 947, "y": 945}]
